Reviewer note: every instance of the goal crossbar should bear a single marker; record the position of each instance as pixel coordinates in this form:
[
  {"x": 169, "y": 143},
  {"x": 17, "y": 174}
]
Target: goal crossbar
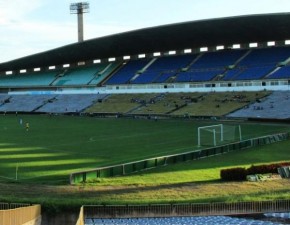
[
  {"x": 214, "y": 132},
  {"x": 220, "y": 133}
]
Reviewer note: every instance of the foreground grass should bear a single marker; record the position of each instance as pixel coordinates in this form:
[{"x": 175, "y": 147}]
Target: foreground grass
[{"x": 69, "y": 197}]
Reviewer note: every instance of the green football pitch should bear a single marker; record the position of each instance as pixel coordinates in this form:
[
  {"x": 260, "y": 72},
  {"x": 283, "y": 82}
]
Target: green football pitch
[{"x": 55, "y": 146}]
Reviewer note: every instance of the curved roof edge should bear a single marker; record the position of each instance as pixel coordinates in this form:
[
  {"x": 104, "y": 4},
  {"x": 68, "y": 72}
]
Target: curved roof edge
[{"x": 194, "y": 34}]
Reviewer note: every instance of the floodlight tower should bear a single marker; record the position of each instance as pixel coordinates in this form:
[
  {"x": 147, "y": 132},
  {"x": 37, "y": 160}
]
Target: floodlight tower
[{"x": 80, "y": 8}]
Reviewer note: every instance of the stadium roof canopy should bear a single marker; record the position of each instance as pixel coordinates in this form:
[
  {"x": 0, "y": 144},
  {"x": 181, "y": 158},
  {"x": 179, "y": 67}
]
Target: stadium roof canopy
[{"x": 187, "y": 35}]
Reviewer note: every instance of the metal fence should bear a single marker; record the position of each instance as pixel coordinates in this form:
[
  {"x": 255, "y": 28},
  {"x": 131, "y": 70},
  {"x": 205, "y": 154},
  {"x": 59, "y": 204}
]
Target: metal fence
[
  {"x": 132, "y": 167},
  {"x": 5, "y": 206},
  {"x": 198, "y": 209}
]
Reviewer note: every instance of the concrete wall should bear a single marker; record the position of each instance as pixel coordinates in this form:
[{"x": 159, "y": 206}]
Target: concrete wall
[
  {"x": 64, "y": 218},
  {"x": 34, "y": 222},
  {"x": 251, "y": 85}
]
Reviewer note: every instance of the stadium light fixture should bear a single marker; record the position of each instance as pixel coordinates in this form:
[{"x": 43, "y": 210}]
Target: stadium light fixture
[
  {"x": 141, "y": 56},
  {"x": 126, "y": 57},
  {"x": 188, "y": 50},
  {"x": 80, "y": 8},
  {"x": 173, "y": 52},
  {"x": 271, "y": 43},
  {"x": 253, "y": 45},
  {"x": 220, "y": 47},
  {"x": 97, "y": 61},
  {"x": 156, "y": 54},
  {"x": 203, "y": 49},
  {"x": 236, "y": 46}
]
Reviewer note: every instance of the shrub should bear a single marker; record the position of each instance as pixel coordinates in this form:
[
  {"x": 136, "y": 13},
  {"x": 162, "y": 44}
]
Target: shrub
[
  {"x": 262, "y": 169},
  {"x": 234, "y": 174},
  {"x": 239, "y": 173}
]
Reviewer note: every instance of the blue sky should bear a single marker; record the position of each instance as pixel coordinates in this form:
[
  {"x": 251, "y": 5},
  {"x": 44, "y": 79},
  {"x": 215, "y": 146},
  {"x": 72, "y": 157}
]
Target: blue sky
[{"x": 29, "y": 27}]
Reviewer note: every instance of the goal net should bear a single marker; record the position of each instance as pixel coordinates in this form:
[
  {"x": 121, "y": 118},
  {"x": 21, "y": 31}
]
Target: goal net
[{"x": 218, "y": 134}]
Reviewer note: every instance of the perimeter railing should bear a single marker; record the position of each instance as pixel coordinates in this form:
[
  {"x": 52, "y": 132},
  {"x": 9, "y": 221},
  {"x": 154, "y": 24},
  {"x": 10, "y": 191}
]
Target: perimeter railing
[{"x": 196, "y": 209}]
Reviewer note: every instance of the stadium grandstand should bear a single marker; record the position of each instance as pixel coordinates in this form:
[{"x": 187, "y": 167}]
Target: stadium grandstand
[
  {"x": 230, "y": 68},
  {"x": 236, "y": 56}
]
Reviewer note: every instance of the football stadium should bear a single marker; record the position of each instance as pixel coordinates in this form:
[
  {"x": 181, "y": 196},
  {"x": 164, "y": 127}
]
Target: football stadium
[{"x": 186, "y": 123}]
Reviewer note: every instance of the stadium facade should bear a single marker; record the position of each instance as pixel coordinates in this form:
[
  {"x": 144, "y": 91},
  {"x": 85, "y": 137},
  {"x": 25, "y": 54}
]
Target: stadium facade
[{"x": 266, "y": 31}]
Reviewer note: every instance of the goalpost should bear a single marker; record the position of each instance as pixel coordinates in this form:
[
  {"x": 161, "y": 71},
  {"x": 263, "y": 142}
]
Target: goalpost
[{"x": 216, "y": 134}]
